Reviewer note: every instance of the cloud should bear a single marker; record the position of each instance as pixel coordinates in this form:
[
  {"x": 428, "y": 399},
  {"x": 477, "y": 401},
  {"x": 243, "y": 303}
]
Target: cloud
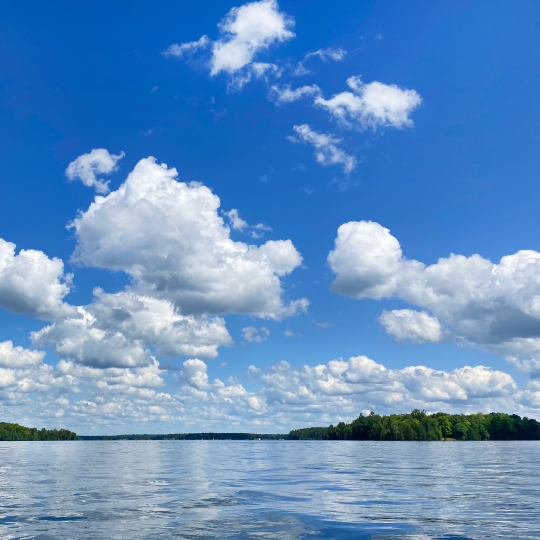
[
  {"x": 236, "y": 221},
  {"x": 254, "y": 335},
  {"x": 32, "y": 284},
  {"x": 329, "y": 53},
  {"x": 239, "y": 224},
  {"x": 185, "y": 49},
  {"x": 247, "y": 30},
  {"x": 323, "y": 324},
  {"x": 472, "y": 300},
  {"x": 283, "y": 396},
  {"x": 169, "y": 237},
  {"x": 262, "y": 69},
  {"x": 531, "y": 366},
  {"x": 363, "y": 381},
  {"x": 326, "y": 150},
  {"x": 194, "y": 374},
  {"x": 290, "y": 333},
  {"x": 113, "y": 378},
  {"x": 116, "y": 330},
  {"x": 284, "y": 94},
  {"x": 417, "y": 326},
  {"x": 372, "y": 105},
  {"x": 98, "y": 161},
  {"x": 324, "y": 54},
  {"x": 17, "y": 357}
]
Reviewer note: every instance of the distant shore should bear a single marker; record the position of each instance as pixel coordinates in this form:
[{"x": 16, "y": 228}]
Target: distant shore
[{"x": 414, "y": 426}]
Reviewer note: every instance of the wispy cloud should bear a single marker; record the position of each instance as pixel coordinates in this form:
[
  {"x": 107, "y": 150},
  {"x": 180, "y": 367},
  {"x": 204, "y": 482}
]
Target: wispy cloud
[{"x": 326, "y": 150}]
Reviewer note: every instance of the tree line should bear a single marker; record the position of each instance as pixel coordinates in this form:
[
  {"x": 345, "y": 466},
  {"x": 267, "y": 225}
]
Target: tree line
[
  {"x": 15, "y": 432},
  {"x": 419, "y": 426},
  {"x": 185, "y": 437}
]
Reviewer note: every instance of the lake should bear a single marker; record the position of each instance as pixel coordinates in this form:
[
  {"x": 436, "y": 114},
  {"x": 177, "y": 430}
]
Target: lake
[{"x": 269, "y": 489}]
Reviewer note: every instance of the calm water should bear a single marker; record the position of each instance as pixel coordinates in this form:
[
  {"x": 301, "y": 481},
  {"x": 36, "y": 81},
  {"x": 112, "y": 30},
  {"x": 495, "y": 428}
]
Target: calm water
[{"x": 269, "y": 489}]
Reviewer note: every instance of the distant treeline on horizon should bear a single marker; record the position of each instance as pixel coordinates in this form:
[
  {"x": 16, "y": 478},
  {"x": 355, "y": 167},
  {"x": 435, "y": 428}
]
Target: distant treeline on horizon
[
  {"x": 15, "y": 432},
  {"x": 185, "y": 437},
  {"x": 419, "y": 426},
  {"x": 415, "y": 426}
]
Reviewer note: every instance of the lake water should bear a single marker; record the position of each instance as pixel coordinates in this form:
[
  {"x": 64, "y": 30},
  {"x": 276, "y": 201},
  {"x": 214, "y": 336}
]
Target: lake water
[{"x": 269, "y": 489}]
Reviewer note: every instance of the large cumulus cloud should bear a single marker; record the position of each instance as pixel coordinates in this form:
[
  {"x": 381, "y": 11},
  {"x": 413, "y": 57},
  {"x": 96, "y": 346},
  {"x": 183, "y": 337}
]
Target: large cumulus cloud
[
  {"x": 169, "y": 237},
  {"x": 472, "y": 300}
]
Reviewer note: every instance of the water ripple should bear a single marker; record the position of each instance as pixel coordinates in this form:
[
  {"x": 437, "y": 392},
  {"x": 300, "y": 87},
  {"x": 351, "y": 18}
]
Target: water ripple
[{"x": 279, "y": 490}]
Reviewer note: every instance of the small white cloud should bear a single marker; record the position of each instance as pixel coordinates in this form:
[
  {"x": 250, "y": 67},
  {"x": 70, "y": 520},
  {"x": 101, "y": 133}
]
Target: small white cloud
[
  {"x": 183, "y": 49},
  {"x": 154, "y": 89},
  {"x": 326, "y": 150},
  {"x": 328, "y": 54},
  {"x": 254, "y": 335},
  {"x": 323, "y": 324},
  {"x": 284, "y": 94},
  {"x": 290, "y": 333},
  {"x": 301, "y": 70},
  {"x": 372, "y": 105},
  {"x": 98, "y": 161},
  {"x": 324, "y": 54},
  {"x": 247, "y": 30},
  {"x": 235, "y": 220},
  {"x": 260, "y": 69},
  {"x": 416, "y": 326},
  {"x": 244, "y": 32}
]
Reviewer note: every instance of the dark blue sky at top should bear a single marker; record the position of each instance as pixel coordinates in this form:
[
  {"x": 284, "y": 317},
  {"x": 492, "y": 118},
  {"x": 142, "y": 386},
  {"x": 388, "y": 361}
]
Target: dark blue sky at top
[{"x": 79, "y": 75}]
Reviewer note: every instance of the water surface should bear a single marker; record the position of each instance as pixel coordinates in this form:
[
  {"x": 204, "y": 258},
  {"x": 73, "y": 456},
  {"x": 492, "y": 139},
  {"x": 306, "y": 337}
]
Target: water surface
[{"x": 269, "y": 489}]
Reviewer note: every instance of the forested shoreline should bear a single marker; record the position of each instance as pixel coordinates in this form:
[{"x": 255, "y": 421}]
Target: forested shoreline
[
  {"x": 419, "y": 426},
  {"x": 16, "y": 432},
  {"x": 414, "y": 426},
  {"x": 185, "y": 437}
]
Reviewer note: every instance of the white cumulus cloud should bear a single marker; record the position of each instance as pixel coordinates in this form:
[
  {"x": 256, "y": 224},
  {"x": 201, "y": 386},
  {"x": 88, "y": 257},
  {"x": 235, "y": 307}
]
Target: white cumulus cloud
[
  {"x": 417, "y": 326},
  {"x": 475, "y": 301},
  {"x": 169, "y": 237},
  {"x": 372, "y": 105},
  {"x": 247, "y": 30},
  {"x": 116, "y": 330},
  {"x": 33, "y": 284},
  {"x": 17, "y": 357},
  {"x": 244, "y": 32},
  {"x": 86, "y": 167}
]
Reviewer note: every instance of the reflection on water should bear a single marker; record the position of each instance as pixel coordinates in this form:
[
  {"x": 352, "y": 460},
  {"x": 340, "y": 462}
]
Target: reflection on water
[{"x": 269, "y": 489}]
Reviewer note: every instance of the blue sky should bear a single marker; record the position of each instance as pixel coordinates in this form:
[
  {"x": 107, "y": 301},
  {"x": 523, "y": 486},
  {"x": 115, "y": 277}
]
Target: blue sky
[{"x": 440, "y": 152}]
